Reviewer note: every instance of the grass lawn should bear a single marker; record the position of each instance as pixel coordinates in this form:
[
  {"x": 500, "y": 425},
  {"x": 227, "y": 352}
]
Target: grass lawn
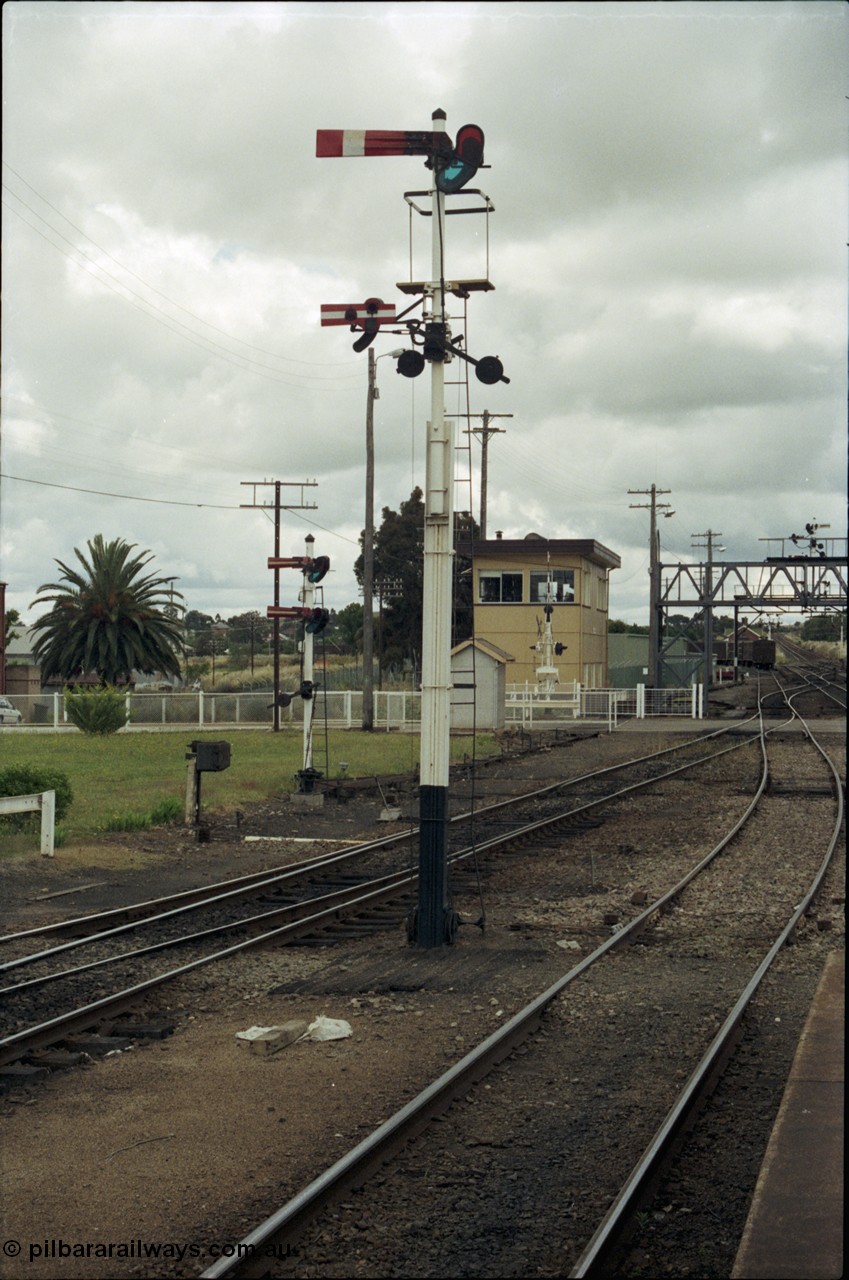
[{"x": 130, "y": 774}]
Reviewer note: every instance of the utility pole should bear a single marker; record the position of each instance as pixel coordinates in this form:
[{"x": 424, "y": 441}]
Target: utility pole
[
  {"x": 276, "y": 507},
  {"x": 654, "y": 575},
  {"x": 707, "y": 598},
  {"x": 368, "y": 545},
  {"x": 484, "y": 432}
]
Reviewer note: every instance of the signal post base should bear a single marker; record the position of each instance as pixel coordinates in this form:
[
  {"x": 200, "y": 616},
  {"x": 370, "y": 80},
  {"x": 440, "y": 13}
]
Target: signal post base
[{"x": 433, "y": 923}]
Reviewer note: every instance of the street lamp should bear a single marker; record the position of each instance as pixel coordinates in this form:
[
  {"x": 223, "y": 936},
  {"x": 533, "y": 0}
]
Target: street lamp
[{"x": 368, "y": 544}]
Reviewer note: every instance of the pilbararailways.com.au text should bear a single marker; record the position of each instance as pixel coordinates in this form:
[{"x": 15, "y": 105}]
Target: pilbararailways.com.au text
[{"x": 141, "y": 1249}]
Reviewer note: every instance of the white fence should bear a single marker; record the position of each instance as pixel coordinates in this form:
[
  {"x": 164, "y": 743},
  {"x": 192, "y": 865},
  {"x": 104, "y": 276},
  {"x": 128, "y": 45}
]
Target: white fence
[
  {"x": 43, "y": 801},
  {"x": 529, "y": 706},
  {"x": 393, "y": 708}
]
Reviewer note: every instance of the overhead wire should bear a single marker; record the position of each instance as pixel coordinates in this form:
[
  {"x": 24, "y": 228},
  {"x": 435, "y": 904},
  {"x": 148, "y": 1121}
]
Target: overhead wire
[
  {"x": 166, "y": 502},
  {"x": 225, "y": 333},
  {"x": 246, "y": 363}
]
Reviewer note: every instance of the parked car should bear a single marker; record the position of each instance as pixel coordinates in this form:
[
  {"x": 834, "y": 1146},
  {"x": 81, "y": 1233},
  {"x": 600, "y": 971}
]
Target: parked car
[{"x": 9, "y": 714}]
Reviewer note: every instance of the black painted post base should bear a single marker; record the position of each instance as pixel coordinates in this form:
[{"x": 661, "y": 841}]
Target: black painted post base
[{"x": 433, "y": 924}]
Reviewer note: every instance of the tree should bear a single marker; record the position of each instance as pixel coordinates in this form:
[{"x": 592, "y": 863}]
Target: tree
[
  {"x": 195, "y": 621},
  {"x": 399, "y": 579},
  {"x": 249, "y": 634},
  {"x": 110, "y": 618},
  {"x": 349, "y": 622},
  {"x": 825, "y": 626},
  {"x": 12, "y": 620}
]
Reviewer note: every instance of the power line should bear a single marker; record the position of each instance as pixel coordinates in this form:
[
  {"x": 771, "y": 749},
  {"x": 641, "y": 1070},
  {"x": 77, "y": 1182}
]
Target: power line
[
  {"x": 159, "y": 317},
  {"x": 128, "y": 497},
  {"x": 165, "y": 502},
  {"x": 274, "y": 354}
]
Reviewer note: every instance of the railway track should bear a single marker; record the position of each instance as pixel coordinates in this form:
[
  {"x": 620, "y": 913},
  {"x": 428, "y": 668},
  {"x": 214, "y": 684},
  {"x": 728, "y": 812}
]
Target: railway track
[
  {"x": 541, "y": 1168},
  {"x": 84, "y": 982}
]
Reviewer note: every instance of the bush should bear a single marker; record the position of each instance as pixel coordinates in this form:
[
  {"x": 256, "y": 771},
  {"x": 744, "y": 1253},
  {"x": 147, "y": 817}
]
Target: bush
[
  {"x": 27, "y": 780},
  {"x": 101, "y": 711}
]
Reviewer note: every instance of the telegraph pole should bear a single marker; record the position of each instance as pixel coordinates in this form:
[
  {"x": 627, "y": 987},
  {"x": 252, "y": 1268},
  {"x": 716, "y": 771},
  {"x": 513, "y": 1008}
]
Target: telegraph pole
[
  {"x": 654, "y": 575},
  {"x": 276, "y": 507},
  {"x": 485, "y": 432}
]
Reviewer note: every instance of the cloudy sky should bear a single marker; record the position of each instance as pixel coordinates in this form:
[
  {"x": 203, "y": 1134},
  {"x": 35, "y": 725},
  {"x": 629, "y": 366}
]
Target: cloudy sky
[{"x": 668, "y": 250}]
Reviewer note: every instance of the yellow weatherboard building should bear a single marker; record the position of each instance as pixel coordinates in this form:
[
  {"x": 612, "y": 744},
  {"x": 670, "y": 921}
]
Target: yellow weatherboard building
[{"x": 544, "y": 601}]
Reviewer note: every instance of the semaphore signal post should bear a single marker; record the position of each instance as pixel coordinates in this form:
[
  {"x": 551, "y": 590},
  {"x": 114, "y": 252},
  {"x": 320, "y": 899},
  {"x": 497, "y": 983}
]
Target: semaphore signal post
[{"x": 454, "y": 164}]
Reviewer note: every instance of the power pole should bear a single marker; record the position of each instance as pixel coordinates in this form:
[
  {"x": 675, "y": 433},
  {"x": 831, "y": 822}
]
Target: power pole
[
  {"x": 654, "y": 575},
  {"x": 276, "y": 507},
  {"x": 485, "y": 432}
]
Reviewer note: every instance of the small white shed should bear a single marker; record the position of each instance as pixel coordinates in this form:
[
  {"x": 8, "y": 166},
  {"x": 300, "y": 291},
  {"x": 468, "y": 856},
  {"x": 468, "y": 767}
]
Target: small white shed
[{"x": 478, "y": 674}]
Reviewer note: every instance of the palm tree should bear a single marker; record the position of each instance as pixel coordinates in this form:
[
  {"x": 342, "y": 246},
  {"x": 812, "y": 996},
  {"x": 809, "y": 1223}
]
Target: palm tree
[{"x": 109, "y": 619}]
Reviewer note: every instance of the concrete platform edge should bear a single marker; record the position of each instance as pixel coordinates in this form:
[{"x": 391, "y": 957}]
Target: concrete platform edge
[{"x": 795, "y": 1226}]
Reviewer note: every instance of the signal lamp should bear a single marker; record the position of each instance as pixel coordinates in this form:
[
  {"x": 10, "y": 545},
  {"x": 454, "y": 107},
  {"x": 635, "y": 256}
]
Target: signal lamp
[
  {"x": 317, "y": 568},
  {"x": 489, "y": 370},
  {"x": 317, "y": 620},
  {"x": 434, "y": 342},
  {"x": 460, "y": 165},
  {"x": 410, "y": 364}
]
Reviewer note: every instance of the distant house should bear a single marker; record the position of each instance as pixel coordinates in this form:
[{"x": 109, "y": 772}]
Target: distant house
[
  {"x": 20, "y": 647},
  {"x": 23, "y": 675}
]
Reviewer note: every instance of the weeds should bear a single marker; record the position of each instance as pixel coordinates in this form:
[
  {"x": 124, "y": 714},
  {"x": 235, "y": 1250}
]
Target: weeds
[{"x": 167, "y": 811}]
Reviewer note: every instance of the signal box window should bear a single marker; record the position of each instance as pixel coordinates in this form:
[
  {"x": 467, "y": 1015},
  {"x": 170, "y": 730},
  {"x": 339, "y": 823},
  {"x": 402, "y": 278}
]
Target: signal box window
[
  {"x": 499, "y": 587},
  {"x": 554, "y": 586}
]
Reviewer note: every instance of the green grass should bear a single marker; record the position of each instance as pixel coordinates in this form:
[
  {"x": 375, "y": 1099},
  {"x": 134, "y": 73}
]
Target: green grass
[{"x": 130, "y": 777}]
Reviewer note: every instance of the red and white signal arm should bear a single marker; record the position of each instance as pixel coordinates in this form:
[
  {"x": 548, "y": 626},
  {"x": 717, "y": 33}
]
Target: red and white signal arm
[
  {"x": 358, "y": 312},
  {"x": 287, "y": 611},
  {"x": 379, "y": 142}
]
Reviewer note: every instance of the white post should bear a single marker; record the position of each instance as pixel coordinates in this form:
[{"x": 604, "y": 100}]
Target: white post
[
  {"x": 432, "y": 926},
  {"x": 56, "y": 711},
  {"x": 200, "y": 707},
  {"x": 48, "y": 822},
  {"x": 641, "y": 702},
  {"x": 43, "y": 802},
  {"x": 308, "y": 601}
]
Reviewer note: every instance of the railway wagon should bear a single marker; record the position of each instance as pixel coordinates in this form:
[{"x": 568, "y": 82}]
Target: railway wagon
[{"x": 756, "y": 652}]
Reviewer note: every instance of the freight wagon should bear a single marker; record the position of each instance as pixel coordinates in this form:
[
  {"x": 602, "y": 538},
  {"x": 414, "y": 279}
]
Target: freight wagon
[{"x": 756, "y": 652}]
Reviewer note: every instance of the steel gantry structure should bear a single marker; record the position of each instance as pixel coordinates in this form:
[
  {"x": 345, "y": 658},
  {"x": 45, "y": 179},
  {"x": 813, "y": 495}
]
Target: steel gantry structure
[{"x": 787, "y": 582}]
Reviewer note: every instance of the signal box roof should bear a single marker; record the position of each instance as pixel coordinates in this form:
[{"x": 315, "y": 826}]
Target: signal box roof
[{"x": 534, "y": 546}]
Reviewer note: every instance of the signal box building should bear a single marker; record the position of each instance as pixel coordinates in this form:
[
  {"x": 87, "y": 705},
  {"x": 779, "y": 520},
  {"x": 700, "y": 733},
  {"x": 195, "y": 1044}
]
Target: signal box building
[{"x": 513, "y": 582}]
